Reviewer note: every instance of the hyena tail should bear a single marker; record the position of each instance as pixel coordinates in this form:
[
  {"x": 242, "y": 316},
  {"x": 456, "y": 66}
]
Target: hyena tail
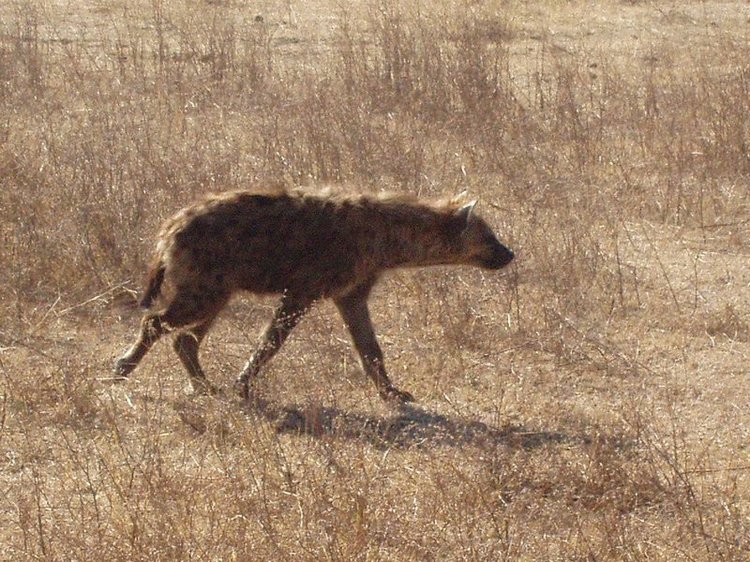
[{"x": 153, "y": 287}]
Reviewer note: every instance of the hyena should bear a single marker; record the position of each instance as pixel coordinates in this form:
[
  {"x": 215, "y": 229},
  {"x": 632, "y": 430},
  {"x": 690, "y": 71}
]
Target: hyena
[{"x": 305, "y": 247}]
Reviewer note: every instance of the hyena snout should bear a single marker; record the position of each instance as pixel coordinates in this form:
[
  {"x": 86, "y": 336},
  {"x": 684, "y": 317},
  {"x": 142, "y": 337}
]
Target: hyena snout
[
  {"x": 482, "y": 247},
  {"x": 501, "y": 256}
]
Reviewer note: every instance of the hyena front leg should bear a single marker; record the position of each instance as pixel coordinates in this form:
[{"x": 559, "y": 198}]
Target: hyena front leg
[
  {"x": 285, "y": 318},
  {"x": 353, "y": 309}
]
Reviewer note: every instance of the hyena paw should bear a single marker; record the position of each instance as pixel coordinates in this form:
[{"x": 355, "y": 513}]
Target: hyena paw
[
  {"x": 396, "y": 396},
  {"x": 123, "y": 367},
  {"x": 204, "y": 388},
  {"x": 242, "y": 389}
]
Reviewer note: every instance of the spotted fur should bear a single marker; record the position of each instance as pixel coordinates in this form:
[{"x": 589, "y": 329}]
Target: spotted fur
[{"x": 305, "y": 247}]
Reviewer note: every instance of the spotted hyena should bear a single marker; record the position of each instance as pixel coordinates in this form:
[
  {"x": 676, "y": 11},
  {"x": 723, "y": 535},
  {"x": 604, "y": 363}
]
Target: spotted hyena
[{"x": 305, "y": 247}]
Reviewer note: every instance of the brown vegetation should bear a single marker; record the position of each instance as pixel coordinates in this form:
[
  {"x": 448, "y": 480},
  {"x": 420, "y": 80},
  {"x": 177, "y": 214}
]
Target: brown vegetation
[{"x": 590, "y": 404}]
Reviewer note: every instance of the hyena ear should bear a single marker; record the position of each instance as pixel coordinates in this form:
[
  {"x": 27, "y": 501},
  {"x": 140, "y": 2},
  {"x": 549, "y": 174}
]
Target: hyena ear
[
  {"x": 462, "y": 216},
  {"x": 460, "y": 198},
  {"x": 466, "y": 211}
]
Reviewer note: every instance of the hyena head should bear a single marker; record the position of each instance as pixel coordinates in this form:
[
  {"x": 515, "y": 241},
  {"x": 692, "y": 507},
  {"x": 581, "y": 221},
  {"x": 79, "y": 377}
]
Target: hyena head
[{"x": 474, "y": 242}]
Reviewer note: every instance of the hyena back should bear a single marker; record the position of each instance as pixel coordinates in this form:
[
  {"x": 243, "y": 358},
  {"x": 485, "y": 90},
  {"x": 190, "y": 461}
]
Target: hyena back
[{"x": 305, "y": 247}]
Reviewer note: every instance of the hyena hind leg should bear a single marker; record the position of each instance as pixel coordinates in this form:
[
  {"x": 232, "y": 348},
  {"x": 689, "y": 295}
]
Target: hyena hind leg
[
  {"x": 152, "y": 328},
  {"x": 186, "y": 346},
  {"x": 186, "y": 309}
]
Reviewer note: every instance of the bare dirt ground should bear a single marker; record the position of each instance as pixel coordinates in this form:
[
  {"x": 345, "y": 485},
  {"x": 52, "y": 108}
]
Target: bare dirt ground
[{"x": 590, "y": 403}]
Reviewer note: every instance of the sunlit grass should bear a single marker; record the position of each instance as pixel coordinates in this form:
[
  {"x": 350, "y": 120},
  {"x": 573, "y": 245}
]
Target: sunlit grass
[{"x": 588, "y": 403}]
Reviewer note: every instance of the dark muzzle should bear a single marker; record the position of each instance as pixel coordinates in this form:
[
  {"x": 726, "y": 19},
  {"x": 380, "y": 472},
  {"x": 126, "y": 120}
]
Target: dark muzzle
[{"x": 502, "y": 257}]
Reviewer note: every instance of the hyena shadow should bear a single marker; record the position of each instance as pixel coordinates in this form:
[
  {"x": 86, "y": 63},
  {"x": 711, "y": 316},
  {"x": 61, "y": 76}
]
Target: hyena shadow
[{"x": 409, "y": 427}]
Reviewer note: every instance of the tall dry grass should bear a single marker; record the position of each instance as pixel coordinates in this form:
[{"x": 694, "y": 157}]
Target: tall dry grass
[
  {"x": 583, "y": 160},
  {"x": 106, "y": 133}
]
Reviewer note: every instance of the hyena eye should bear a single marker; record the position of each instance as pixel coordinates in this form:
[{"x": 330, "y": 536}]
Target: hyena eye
[{"x": 490, "y": 240}]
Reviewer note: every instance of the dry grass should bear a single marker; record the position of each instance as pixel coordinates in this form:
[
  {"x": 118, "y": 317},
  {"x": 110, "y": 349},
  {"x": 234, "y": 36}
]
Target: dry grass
[{"x": 589, "y": 404}]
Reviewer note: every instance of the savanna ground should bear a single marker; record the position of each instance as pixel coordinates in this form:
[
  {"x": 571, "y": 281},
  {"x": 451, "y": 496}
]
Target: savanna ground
[{"x": 591, "y": 402}]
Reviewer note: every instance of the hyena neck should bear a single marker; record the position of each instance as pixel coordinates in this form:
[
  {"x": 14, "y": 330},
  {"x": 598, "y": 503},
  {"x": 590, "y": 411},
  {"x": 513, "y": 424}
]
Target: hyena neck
[{"x": 413, "y": 237}]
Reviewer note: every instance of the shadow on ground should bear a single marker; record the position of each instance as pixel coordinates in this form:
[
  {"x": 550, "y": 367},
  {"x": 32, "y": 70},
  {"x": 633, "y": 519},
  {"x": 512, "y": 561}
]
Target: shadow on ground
[{"x": 408, "y": 427}]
